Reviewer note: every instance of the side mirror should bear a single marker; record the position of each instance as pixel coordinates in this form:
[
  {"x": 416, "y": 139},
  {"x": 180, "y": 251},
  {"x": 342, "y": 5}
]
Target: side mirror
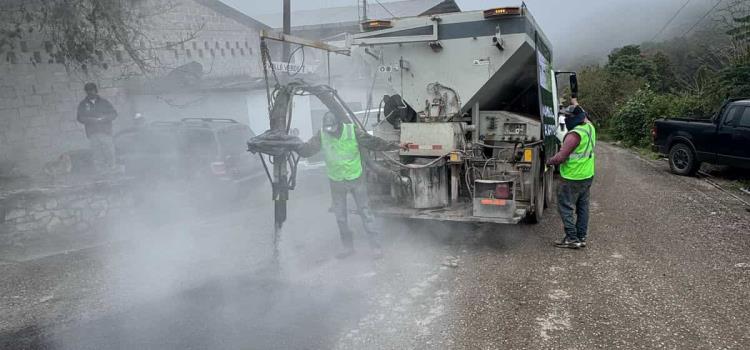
[{"x": 573, "y": 85}]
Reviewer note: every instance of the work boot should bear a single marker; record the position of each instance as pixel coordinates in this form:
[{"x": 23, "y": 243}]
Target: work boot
[
  {"x": 566, "y": 243},
  {"x": 345, "y": 253},
  {"x": 582, "y": 242}
]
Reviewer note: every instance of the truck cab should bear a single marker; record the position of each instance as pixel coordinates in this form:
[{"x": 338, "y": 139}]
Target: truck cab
[{"x": 723, "y": 139}]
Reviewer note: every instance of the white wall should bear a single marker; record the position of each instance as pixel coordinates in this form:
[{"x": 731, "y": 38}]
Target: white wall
[
  {"x": 257, "y": 106},
  {"x": 301, "y": 119},
  {"x": 257, "y": 111}
]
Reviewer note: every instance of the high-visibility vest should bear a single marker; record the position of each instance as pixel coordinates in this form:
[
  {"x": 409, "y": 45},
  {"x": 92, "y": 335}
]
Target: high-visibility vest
[
  {"x": 343, "y": 161},
  {"x": 580, "y": 164}
]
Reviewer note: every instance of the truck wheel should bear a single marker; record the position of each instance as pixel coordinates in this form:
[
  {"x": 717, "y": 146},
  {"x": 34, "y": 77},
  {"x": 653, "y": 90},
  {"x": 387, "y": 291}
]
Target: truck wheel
[
  {"x": 682, "y": 160},
  {"x": 535, "y": 216}
]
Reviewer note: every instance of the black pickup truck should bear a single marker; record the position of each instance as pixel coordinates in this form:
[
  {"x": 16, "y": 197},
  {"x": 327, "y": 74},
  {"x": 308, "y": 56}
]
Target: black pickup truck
[{"x": 723, "y": 139}]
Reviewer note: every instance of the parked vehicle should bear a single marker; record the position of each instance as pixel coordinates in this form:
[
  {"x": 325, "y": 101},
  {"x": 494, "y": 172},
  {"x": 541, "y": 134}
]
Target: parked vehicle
[
  {"x": 214, "y": 155},
  {"x": 149, "y": 151},
  {"x": 209, "y": 153},
  {"x": 723, "y": 139}
]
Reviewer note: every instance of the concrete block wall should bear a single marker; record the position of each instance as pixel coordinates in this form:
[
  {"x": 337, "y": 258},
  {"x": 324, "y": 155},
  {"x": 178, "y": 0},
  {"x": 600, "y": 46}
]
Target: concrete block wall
[
  {"x": 225, "y": 47},
  {"x": 33, "y": 214},
  {"x": 38, "y": 97},
  {"x": 38, "y": 112}
]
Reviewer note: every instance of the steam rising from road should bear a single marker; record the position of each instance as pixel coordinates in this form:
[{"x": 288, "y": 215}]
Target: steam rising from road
[{"x": 204, "y": 270}]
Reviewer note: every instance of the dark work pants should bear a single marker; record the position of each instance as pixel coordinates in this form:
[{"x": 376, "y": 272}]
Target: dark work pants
[
  {"x": 339, "y": 191},
  {"x": 102, "y": 151},
  {"x": 573, "y": 204}
]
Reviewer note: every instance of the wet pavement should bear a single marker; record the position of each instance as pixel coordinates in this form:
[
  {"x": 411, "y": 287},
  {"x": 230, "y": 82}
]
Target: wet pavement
[{"x": 668, "y": 266}]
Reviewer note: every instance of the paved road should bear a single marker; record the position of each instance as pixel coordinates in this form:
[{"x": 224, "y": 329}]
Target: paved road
[{"x": 668, "y": 267}]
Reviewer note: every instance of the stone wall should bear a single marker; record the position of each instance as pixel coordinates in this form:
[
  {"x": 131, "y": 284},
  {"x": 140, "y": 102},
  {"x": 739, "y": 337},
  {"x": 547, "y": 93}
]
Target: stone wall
[
  {"x": 33, "y": 214},
  {"x": 39, "y": 96}
]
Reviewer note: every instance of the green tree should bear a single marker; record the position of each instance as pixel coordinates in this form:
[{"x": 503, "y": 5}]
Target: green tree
[
  {"x": 601, "y": 91},
  {"x": 734, "y": 80},
  {"x": 664, "y": 78},
  {"x": 629, "y": 60},
  {"x": 632, "y": 122},
  {"x": 735, "y": 20}
]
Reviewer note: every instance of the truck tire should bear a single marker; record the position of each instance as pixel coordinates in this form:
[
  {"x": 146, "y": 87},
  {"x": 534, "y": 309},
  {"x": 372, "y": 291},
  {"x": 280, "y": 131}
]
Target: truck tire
[
  {"x": 682, "y": 160},
  {"x": 535, "y": 216}
]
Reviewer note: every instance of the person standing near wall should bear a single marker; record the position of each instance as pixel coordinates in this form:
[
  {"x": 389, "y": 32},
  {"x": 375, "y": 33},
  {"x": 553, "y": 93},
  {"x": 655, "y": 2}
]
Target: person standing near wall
[{"x": 97, "y": 114}]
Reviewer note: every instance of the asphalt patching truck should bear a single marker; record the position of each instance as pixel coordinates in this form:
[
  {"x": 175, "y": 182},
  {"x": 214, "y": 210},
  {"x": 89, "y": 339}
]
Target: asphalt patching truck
[
  {"x": 474, "y": 106},
  {"x": 472, "y": 100}
]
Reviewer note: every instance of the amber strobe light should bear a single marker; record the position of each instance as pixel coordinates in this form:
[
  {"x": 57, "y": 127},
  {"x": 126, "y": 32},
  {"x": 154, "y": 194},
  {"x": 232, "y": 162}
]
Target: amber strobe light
[
  {"x": 376, "y": 24},
  {"x": 502, "y": 11}
]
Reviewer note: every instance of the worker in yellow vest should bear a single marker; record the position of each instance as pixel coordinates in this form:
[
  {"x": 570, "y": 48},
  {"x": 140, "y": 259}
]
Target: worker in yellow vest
[
  {"x": 340, "y": 143},
  {"x": 576, "y": 159}
]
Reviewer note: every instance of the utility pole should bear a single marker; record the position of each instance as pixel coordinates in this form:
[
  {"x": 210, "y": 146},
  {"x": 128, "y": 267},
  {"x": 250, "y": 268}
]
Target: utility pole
[
  {"x": 364, "y": 10},
  {"x": 287, "y": 26}
]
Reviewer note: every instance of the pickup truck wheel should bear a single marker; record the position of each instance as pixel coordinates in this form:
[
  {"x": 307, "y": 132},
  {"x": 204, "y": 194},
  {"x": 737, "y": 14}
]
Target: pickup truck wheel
[{"x": 682, "y": 160}]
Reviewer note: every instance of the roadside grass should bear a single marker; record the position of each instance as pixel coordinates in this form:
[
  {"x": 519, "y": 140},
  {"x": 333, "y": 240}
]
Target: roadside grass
[
  {"x": 606, "y": 135},
  {"x": 647, "y": 153},
  {"x": 644, "y": 152},
  {"x": 744, "y": 185}
]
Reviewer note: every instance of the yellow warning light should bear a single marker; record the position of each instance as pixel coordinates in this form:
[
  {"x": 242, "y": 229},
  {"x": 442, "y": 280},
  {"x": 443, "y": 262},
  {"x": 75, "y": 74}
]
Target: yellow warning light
[
  {"x": 376, "y": 24},
  {"x": 502, "y": 11},
  {"x": 528, "y": 155},
  {"x": 455, "y": 157}
]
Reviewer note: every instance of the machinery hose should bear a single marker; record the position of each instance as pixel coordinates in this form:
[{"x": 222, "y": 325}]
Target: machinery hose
[{"x": 414, "y": 166}]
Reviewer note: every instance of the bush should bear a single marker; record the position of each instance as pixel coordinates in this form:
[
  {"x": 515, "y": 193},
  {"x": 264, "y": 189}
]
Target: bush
[
  {"x": 600, "y": 92},
  {"x": 690, "y": 106},
  {"x": 629, "y": 123}
]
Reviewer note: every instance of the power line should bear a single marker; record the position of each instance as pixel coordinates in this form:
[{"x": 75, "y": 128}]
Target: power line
[
  {"x": 670, "y": 20},
  {"x": 386, "y": 9},
  {"x": 702, "y": 18}
]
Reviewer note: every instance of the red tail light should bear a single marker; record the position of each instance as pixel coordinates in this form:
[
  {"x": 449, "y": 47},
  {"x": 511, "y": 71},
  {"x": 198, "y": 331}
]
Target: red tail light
[
  {"x": 653, "y": 132},
  {"x": 218, "y": 168},
  {"x": 502, "y": 191}
]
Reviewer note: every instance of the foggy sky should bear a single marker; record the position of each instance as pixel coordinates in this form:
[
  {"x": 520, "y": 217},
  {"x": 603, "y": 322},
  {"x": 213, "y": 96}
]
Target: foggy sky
[{"x": 578, "y": 29}]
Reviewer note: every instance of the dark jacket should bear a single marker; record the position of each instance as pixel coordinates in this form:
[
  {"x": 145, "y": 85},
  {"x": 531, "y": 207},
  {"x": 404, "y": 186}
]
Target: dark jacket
[
  {"x": 364, "y": 140},
  {"x": 96, "y": 116}
]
